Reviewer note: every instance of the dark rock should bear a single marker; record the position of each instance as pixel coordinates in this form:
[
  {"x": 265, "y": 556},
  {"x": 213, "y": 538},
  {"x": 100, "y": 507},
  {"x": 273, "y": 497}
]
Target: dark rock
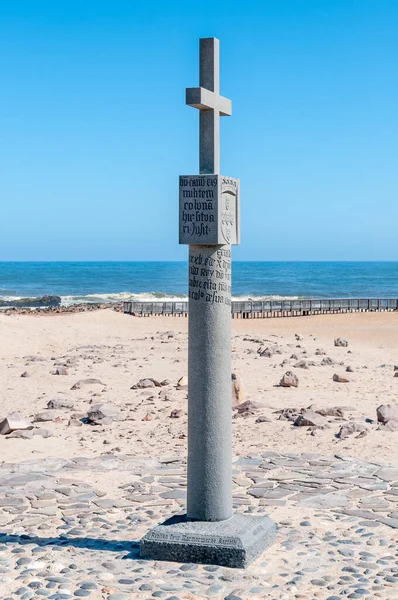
[{"x": 340, "y": 343}]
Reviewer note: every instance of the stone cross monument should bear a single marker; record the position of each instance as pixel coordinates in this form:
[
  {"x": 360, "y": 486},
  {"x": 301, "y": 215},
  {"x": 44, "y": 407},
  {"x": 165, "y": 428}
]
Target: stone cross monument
[{"x": 209, "y": 224}]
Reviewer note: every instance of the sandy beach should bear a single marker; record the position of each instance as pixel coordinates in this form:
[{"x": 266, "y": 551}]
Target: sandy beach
[{"x": 119, "y": 351}]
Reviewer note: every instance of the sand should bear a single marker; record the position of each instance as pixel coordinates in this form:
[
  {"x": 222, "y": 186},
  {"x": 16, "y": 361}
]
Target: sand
[{"x": 119, "y": 350}]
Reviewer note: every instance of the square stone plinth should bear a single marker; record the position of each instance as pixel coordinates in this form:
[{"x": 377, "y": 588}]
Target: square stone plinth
[{"x": 235, "y": 542}]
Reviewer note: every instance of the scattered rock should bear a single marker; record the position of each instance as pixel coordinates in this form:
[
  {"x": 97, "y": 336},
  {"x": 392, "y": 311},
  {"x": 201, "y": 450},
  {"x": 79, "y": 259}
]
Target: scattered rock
[
  {"x": 21, "y": 434},
  {"x": 75, "y": 423},
  {"x": 79, "y": 384},
  {"x": 148, "y": 382},
  {"x": 148, "y": 417},
  {"x": 340, "y": 379},
  {"x": 349, "y": 429},
  {"x": 167, "y": 335},
  {"x": 319, "y": 352},
  {"x": 176, "y": 413},
  {"x": 340, "y": 343},
  {"x": 165, "y": 382},
  {"x": 48, "y": 415},
  {"x": 13, "y": 422},
  {"x": 263, "y": 419},
  {"x": 44, "y": 433},
  {"x": 57, "y": 403},
  {"x": 349, "y": 370},
  {"x": 99, "y": 412},
  {"x": 332, "y": 411},
  {"x": 390, "y": 426},
  {"x": 60, "y": 371},
  {"x": 289, "y": 379},
  {"x": 25, "y": 374},
  {"x": 267, "y": 352},
  {"x": 304, "y": 364},
  {"x": 310, "y": 418},
  {"x": 327, "y": 361},
  {"x": 387, "y": 412},
  {"x": 237, "y": 390},
  {"x": 247, "y": 408},
  {"x": 289, "y": 414}
]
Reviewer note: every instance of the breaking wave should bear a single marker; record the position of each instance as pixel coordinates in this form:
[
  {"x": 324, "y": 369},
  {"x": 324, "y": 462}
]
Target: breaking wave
[{"x": 141, "y": 297}]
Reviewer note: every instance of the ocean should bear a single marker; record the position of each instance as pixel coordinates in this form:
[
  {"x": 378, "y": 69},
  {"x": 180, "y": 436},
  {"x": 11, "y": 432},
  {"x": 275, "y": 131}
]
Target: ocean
[{"x": 115, "y": 281}]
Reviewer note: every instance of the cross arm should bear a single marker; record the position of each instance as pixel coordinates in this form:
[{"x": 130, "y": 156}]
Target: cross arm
[{"x": 204, "y": 99}]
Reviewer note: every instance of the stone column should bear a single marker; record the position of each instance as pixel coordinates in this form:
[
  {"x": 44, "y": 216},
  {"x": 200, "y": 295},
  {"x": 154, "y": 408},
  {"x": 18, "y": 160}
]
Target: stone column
[{"x": 209, "y": 384}]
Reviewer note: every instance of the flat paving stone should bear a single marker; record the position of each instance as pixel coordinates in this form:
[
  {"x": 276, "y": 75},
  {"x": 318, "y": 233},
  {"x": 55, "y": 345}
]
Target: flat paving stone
[{"x": 340, "y": 539}]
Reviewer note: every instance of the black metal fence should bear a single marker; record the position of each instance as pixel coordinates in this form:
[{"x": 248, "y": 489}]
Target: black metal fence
[{"x": 271, "y": 308}]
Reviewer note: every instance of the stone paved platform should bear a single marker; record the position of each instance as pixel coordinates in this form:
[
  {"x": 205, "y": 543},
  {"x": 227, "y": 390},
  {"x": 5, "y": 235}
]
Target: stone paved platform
[{"x": 62, "y": 537}]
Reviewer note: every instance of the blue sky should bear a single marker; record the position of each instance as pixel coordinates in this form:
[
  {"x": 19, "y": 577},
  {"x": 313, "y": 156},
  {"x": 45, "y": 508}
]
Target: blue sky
[{"x": 94, "y": 130}]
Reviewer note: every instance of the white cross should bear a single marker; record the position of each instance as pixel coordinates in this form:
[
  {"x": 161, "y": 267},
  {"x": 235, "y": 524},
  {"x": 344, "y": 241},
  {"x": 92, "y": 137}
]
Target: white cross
[{"x": 210, "y": 104}]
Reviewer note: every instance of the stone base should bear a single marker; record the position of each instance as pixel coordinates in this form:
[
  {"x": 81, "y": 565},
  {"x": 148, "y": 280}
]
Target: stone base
[{"x": 235, "y": 542}]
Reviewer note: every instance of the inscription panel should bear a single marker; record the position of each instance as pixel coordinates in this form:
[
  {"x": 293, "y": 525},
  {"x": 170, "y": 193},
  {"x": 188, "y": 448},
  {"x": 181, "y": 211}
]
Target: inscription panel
[
  {"x": 209, "y": 210},
  {"x": 210, "y": 276}
]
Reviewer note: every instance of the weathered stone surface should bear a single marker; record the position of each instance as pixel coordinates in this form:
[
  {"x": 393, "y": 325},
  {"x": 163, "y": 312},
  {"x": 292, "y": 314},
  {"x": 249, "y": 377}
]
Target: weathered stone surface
[
  {"x": 289, "y": 379},
  {"x": 310, "y": 418},
  {"x": 237, "y": 390},
  {"x": 332, "y": 500},
  {"x": 235, "y": 542},
  {"x": 13, "y": 422},
  {"x": 387, "y": 474},
  {"x": 387, "y": 412},
  {"x": 340, "y": 342}
]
